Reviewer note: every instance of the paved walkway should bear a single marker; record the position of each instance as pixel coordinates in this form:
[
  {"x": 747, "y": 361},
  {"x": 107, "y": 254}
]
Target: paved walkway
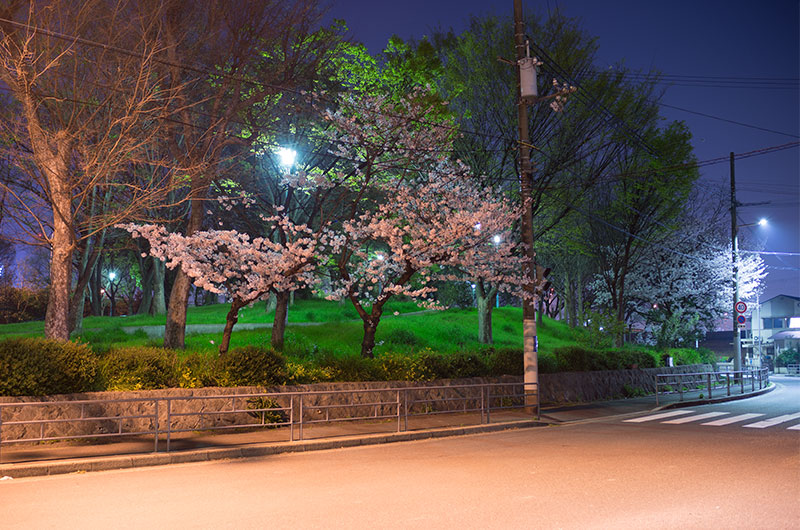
[
  {"x": 158, "y": 331},
  {"x": 25, "y": 460}
]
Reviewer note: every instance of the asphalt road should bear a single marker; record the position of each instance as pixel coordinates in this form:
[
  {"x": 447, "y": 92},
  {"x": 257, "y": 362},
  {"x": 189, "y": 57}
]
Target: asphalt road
[{"x": 607, "y": 473}]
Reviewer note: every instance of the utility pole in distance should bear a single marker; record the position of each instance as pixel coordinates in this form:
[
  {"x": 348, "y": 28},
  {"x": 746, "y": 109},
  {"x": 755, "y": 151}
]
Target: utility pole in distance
[
  {"x": 737, "y": 344},
  {"x": 529, "y": 338}
]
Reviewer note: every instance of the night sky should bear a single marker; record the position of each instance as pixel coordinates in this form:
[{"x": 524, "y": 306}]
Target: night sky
[{"x": 730, "y": 39}]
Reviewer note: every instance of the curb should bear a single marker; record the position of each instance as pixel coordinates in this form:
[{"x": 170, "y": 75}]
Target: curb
[
  {"x": 84, "y": 465},
  {"x": 724, "y": 399}
]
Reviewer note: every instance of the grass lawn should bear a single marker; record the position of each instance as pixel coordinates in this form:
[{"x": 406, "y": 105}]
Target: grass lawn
[{"x": 334, "y": 327}]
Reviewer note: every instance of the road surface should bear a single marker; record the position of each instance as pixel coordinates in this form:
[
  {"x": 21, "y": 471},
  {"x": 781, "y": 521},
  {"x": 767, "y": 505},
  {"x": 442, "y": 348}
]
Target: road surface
[{"x": 655, "y": 472}]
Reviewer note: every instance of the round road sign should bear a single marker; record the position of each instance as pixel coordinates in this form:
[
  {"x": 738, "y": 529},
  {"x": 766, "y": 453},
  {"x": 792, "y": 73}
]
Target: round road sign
[
  {"x": 741, "y": 319},
  {"x": 741, "y": 307}
]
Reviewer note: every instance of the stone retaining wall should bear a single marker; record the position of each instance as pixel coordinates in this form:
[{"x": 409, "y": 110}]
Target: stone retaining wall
[{"x": 138, "y": 415}]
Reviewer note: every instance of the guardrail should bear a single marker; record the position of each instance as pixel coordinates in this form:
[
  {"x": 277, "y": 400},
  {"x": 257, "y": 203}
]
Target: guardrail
[
  {"x": 162, "y": 417},
  {"x": 793, "y": 369},
  {"x": 723, "y": 381}
]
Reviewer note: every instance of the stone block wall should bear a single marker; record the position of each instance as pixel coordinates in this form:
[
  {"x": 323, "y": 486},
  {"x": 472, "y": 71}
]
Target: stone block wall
[{"x": 138, "y": 414}]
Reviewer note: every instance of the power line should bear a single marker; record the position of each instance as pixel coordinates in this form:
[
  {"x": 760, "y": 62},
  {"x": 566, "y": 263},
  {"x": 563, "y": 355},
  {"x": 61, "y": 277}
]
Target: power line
[{"x": 727, "y": 120}]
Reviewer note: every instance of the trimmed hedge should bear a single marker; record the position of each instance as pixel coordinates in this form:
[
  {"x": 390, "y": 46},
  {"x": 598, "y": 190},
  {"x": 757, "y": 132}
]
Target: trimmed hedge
[
  {"x": 36, "y": 367},
  {"x": 140, "y": 368},
  {"x": 251, "y": 366}
]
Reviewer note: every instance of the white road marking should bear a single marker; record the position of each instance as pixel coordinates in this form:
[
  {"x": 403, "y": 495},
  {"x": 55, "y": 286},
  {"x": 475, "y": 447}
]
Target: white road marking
[
  {"x": 660, "y": 416},
  {"x": 795, "y": 428},
  {"x": 773, "y": 421},
  {"x": 696, "y": 418},
  {"x": 733, "y": 419}
]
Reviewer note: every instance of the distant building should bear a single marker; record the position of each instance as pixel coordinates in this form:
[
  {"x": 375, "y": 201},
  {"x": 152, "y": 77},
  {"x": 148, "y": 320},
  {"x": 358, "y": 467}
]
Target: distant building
[{"x": 775, "y": 326}]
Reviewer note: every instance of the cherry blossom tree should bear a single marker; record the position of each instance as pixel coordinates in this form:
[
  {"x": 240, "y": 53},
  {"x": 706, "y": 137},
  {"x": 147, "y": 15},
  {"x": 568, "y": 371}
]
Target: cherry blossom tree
[
  {"x": 432, "y": 223},
  {"x": 244, "y": 269}
]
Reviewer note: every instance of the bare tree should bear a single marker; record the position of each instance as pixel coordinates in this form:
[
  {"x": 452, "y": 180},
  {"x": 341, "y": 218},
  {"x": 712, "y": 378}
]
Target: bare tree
[{"x": 88, "y": 99}]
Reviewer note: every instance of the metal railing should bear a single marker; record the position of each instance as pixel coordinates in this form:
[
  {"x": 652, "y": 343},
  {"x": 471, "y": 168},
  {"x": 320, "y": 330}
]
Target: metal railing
[
  {"x": 793, "y": 369},
  {"x": 681, "y": 383},
  {"x": 161, "y": 417}
]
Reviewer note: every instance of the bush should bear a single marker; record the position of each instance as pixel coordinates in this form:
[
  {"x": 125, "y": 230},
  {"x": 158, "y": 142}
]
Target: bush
[
  {"x": 465, "y": 364},
  {"x": 433, "y": 363},
  {"x": 196, "y": 371},
  {"x": 402, "y": 336},
  {"x": 251, "y": 366},
  {"x": 304, "y": 374},
  {"x": 577, "y": 359},
  {"x": 400, "y": 367},
  {"x": 35, "y": 367},
  {"x": 506, "y": 361},
  {"x": 349, "y": 367},
  {"x": 787, "y": 357},
  {"x": 140, "y": 368},
  {"x": 21, "y": 304},
  {"x": 692, "y": 356}
]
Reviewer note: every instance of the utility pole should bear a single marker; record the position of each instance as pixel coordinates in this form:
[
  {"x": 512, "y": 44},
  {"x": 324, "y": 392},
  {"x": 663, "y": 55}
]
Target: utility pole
[
  {"x": 737, "y": 343},
  {"x": 530, "y": 340}
]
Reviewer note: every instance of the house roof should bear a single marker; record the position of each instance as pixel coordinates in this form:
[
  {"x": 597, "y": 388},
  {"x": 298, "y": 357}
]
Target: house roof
[
  {"x": 781, "y": 295},
  {"x": 786, "y": 334}
]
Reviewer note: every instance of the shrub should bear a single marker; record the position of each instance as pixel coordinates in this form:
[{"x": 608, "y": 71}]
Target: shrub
[
  {"x": 692, "y": 356},
  {"x": 787, "y": 357},
  {"x": 35, "y": 367},
  {"x": 140, "y": 368},
  {"x": 506, "y": 361},
  {"x": 577, "y": 359},
  {"x": 401, "y": 367},
  {"x": 547, "y": 363},
  {"x": 465, "y": 364},
  {"x": 402, "y": 336},
  {"x": 196, "y": 371},
  {"x": 267, "y": 410},
  {"x": 349, "y": 367},
  {"x": 433, "y": 363},
  {"x": 22, "y": 304},
  {"x": 306, "y": 373},
  {"x": 251, "y": 366}
]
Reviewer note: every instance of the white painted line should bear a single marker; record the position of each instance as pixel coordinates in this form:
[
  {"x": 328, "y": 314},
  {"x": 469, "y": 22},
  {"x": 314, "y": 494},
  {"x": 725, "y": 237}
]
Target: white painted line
[
  {"x": 697, "y": 418},
  {"x": 660, "y": 416},
  {"x": 733, "y": 419},
  {"x": 773, "y": 421},
  {"x": 795, "y": 428}
]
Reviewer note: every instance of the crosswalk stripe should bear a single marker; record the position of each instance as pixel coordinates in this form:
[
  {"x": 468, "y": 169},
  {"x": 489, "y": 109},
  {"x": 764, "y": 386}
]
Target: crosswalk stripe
[
  {"x": 696, "y": 418},
  {"x": 795, "y": 428},
  {"x": 660, "y": 416},
  {"x": 773, "y": 421},
  {"x": 733, "y": 419}
]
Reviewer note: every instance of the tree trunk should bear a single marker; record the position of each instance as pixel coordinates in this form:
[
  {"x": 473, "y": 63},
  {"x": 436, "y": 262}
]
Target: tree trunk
[
  {"x": 540, "y": 310},
  {"x": 485, "y": 302},
  {"x": 175, "y": 329},
  {"x": 56, "y": 321},
  {"x": 272, "y": 303},
  {"x": 230, "y": 321},
  {"x": 159, "y": 305},
  {"x": 368, "y": 342},
  {"x": 146, "y": 271},
  {"x": 281, "y": 320}
]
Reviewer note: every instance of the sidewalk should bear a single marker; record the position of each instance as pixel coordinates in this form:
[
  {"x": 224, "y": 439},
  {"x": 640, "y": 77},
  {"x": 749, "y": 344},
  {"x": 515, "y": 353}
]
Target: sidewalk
[{"x": 27, "y": 460}]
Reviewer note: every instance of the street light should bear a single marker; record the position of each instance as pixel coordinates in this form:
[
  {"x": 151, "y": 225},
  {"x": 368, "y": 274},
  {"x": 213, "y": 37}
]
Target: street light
[{"x": 287, "y": 157}]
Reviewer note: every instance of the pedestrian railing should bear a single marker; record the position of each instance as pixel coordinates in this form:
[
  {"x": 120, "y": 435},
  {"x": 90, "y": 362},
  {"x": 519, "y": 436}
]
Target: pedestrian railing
[
  {"x": 793, "y": 369},
  {"x": 715, "y": 383},
  {"x": 163, "y": 417}
]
